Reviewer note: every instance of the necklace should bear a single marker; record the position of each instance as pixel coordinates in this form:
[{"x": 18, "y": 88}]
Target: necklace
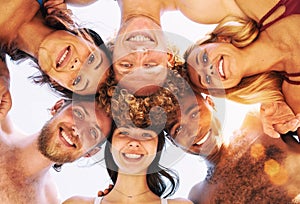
[{"x": 131, "y": 196}]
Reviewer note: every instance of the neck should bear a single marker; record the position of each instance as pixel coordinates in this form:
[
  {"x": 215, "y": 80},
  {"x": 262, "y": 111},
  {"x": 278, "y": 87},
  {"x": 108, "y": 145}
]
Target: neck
[
  {"x": 31, "y": 35},
  {"x": 34, "y": 163},
  {"x": 138, "y": 181},
  {"x": 132, "y": 8},
  {"x": 133, "y": 187},
  {"x": 270, "y": 58}
]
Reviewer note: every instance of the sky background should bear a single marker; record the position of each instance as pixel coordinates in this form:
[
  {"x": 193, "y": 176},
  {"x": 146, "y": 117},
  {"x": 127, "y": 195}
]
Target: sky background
[{"x": 31, "y": 103}]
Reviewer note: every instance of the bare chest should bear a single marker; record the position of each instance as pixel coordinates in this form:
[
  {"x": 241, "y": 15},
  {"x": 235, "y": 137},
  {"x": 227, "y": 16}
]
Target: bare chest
[
  {"x": 259, "y": 175},
  {"x": 15, "y": 186}
]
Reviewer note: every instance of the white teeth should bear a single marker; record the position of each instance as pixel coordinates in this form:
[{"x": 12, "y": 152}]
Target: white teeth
[
  {"x": 139, "y": 38},
  {"x": 63, "y": 57},
  {"x": 67, "y": 138},
  {"x": 221, "y": 71},
  {"x": 204, "y": 138},
  {"x": 133, "y": 156}
]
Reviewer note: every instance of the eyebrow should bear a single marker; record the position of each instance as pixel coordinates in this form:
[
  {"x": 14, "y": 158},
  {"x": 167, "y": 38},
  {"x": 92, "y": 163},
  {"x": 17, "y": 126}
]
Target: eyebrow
[
  {"x": 197, "y": 61},
  {"x": 98, "y": 65},
  {"x": 191, "y": 108}
]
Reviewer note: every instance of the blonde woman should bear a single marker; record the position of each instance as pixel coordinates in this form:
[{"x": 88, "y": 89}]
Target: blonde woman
[{"x": 238, "y": 58}]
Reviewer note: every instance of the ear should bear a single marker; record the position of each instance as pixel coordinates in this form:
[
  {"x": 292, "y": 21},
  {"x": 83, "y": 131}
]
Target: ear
[
  {"x": 92, "y": 152},
  {"x": 210, "y": 101},
  {"x": 171, "y": 59},
  {"x": 57, "y": 106}
]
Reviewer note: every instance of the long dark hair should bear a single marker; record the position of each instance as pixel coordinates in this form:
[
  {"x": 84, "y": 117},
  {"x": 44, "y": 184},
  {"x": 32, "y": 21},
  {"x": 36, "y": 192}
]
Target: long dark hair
[{"x": 155, "y": 173}]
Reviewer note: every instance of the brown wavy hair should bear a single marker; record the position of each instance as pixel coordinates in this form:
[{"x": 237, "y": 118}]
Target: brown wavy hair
[{"x": 60, "y": 19}]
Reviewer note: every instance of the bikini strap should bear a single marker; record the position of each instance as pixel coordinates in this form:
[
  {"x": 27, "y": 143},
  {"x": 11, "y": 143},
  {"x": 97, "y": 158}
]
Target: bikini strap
[
  {"x": 268, "y": 14},
  {"x": 286, "y": 76}
]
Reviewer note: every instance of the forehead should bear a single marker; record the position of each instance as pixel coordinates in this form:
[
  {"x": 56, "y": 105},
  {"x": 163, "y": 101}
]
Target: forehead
[{"x": 192, "y": 100}]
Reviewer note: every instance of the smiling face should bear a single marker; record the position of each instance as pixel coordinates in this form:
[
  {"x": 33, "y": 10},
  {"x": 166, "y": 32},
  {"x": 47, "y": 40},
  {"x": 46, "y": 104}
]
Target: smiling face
[
  {"x": 215, "y": 65},
  {"x": 134, "y": 149},
  {"x": 73, "y": 131},
  {"x": 73, "y": 62},
  {"x": 197, "y": 131},
  {"x": 140, "y": 54}
]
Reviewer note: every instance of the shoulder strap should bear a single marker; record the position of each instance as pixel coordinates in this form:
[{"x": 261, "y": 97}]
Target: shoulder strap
[
  {"x": 268, "y": 14},
  {"x": 98, "y": 200},
  {"x": 286, "y": 77},
  {"x": 164, "y": 201}
]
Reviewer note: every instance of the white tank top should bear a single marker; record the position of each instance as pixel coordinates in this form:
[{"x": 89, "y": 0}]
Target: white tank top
[{"x": 99, "y": 199}]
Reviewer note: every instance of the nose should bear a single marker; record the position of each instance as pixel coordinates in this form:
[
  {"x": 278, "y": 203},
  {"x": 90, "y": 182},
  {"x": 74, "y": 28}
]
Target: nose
[
  {"x": 75, "y": 64},
  {"x": 133, "y": 144},
  {"x": 208, "y": 74},
  {"x": 75, "y": 132}
]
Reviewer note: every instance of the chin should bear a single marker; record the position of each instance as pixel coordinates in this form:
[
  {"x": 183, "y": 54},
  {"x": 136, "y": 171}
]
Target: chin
[{"x": 147, "y": 90}]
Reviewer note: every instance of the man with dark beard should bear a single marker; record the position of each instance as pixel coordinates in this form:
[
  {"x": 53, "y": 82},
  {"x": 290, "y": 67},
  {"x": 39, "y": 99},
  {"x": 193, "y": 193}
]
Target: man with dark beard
[{"x": 76, "y": 129}]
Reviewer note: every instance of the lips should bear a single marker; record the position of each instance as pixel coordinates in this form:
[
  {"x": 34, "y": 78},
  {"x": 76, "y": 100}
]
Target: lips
[
  {"x": 139, "y": 37},
  {"x": 66, "y": 138},
  {"x": 133, "y": 157},
  {"x": 63, "y": 57},
  {"x": 204, "y": 139},
  {"x": 221, "y": 68}
]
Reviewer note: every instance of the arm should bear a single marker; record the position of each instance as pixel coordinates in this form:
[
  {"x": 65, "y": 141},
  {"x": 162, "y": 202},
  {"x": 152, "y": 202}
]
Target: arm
[
  {"x": 62, "y": 3},
  {"x": 51, "y": 5},
  {"x": 200, "y": 11},
  {"x": 5, "y": 97},
  {"x": 80, "y": 2}
]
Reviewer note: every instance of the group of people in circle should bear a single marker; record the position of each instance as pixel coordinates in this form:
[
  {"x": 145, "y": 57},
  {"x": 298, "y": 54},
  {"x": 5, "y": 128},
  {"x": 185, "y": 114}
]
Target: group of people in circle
[{"x": 133, "y": 93}]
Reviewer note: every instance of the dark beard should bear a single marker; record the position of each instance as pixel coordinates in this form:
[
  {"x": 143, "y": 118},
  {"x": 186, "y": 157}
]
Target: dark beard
[{"x": 50, "y": 151}]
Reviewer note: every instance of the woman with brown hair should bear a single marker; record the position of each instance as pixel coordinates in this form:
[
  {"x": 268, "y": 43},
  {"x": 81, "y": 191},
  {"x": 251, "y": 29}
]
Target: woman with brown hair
[{"x": 71, "y": 58}]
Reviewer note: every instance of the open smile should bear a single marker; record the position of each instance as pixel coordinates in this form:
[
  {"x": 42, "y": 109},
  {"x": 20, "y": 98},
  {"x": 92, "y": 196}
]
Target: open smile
[
  {"x": 221, "y": 68},
  {"x": 133, "y": 157},
  {"x": 204, "y": 139},
  {"x": 63, "y": 57},
  {"x": 66, "y": 138}
]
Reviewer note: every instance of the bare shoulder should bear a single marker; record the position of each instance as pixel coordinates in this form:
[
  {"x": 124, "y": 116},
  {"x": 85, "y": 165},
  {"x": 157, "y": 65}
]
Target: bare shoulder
[
  {"x": 79, "y": 200},
  {"x": 179, "y": 200}
]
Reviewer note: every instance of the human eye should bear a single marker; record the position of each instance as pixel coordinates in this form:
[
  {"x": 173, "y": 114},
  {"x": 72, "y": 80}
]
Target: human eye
[
  {"x": 147, "y": 135},
  {"x": 178, "y": 130},
  {"x": 78, "y": 114},
  {"x": 76, "y": 80},
  {"x": 149, "y": 65},
  {"x": 94, "y": 133},
  {"x": 207, "y": 79},
  {"x": 91, "y": 59},
  {"x": 126, "y": 64},
  {"x": 194, "y": 114},
  {"x": 124, "y": 132},
  {"x": 205, "y": 57}
]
